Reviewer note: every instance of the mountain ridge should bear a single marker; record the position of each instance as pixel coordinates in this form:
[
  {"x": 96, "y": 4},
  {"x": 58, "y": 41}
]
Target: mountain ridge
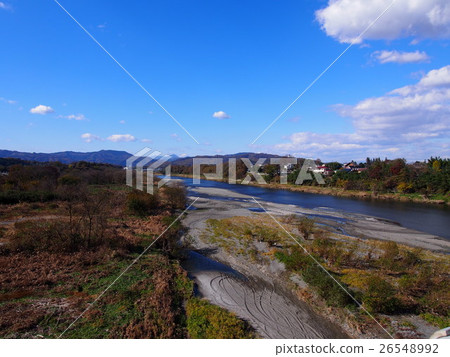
[{"x": 114, "y": 157}]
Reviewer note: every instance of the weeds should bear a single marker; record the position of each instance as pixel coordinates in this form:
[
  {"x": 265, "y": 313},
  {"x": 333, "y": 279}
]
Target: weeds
[
  {"x": 380, "y": 296},
  {"x": 205, "y": 320}
]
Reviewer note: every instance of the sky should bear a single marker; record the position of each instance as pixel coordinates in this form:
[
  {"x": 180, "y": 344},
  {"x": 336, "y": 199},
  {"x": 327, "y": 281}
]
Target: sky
[{"x": 208, "y": 77}]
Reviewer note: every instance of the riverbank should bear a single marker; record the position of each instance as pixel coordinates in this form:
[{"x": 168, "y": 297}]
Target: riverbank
[
  {"x": 49, "y": 277},
  {"x": 440, "y": 200},
  {"x": 251, "y": 291},
  {"x": 366, "y": 195},
  {"x": 351, "y": 224},
  {"x": 227, "y": 231}
]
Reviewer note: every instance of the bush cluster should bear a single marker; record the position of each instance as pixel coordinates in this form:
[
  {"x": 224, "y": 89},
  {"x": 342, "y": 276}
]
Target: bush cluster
[
  {"x": 380, "y": 296},
  {"x": 14, "y": 197},
  {"x": 205, "y": 320},
  {"x": 328, "y": 288},
  {"x": 58, "y": 236},
  {"x": 141, "y": 203}
]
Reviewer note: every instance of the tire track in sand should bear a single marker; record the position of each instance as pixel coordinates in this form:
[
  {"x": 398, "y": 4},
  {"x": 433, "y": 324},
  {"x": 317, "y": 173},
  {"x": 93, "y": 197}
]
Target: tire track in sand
[{"x": 272, "y": 314}]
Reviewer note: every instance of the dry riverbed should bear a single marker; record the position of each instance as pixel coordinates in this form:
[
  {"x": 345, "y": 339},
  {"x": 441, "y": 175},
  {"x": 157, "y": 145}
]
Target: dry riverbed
[
  {"x": 251, "y": 293},
  {"x": 257, "y": 287},
  {"x": 353, "y": 224}
]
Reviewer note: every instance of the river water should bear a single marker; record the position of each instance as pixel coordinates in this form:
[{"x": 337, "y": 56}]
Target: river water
[{"x": 422, "y": 217}]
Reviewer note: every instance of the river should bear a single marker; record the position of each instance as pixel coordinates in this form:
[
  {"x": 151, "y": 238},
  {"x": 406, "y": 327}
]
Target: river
[{"x": 422, "y": 217}]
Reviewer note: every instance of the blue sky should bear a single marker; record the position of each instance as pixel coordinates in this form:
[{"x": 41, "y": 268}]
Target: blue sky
[{"x": 246, "y": 61}]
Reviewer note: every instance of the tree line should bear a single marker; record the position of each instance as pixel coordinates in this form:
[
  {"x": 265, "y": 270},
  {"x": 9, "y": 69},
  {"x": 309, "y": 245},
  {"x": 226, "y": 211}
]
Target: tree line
[
  {"x": 380, "y": 176},
  {"x": 26, "y": 181}
]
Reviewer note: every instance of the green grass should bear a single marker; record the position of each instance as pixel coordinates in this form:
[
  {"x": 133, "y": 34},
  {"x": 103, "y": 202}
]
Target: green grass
[
  {"x": 205, "y": 320},
  {"x": 419, "y": 196},
  {"x": 127, "y": 301},
  {"x": 440, "y": 321}
]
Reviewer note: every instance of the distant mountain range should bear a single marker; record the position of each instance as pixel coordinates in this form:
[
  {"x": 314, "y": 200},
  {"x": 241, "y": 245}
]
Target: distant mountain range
[
  {"x": 113, "y": 157},
  {"x": 187, "y": 161}
]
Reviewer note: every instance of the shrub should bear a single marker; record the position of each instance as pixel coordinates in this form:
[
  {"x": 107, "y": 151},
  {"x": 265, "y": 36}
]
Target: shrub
[
  {"x": 295, "y": 261},
  {"x": 175, "y": 196},
  {"x": 326, "y": 287},
  {"x": 266, "y": 234},
  {"x": 332, "y": 251},
  {"x": 389, "y": 256},
  {"x": 69, "y": 180},
  {"x": 404, "y": 187},
  {"x": 141, "y": 203},
  {"x": 32, "y": 236},
  {"x": 380, "y": 296},
  {"x": 168, "y": 242},
  {"x": 14, "y": 197},
  {"x": 205, "y": 320},
  {"x": 322, "y": 245},
  {"x": 306, "y": 227},
  {"x": 291, "y": 219},
  {"x": 410, "y": 259},
  {"x": 408, "y": 285},
  {"x": 62, "y": 236}
]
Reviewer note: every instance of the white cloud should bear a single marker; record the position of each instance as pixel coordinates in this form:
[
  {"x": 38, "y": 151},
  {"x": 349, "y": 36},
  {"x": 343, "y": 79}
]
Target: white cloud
[
  {"x": 345, "y": 20},
  {"x": 422, "y": 107},
  {"x": 175, "y": 137},
  {"x": 116, "y": 138},
  {"x": 9, "y": 101},
  {"x": 308, "y": 144},
  {"x": 221, "y": 115},
  {"x": 415, "y": 118},
  {"x": 42, "y": 109},
  {"x": 88, "y": 137},
  {"x": 122, "y": 122},
  {"x": 73, "y": 117},
  {"x": 146, "y": 141},
  {"x": 76, "y": 117},
  {"x": 401, "y": 57},
  {"x": 436, "y": 78}
]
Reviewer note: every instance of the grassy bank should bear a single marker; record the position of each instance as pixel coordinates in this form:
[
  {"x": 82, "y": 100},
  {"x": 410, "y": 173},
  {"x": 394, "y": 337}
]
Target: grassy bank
[
  {"x": 406, "y": 289},
  {"x": 57, "y": 257},
  {"x": 154, "y": 299}
]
